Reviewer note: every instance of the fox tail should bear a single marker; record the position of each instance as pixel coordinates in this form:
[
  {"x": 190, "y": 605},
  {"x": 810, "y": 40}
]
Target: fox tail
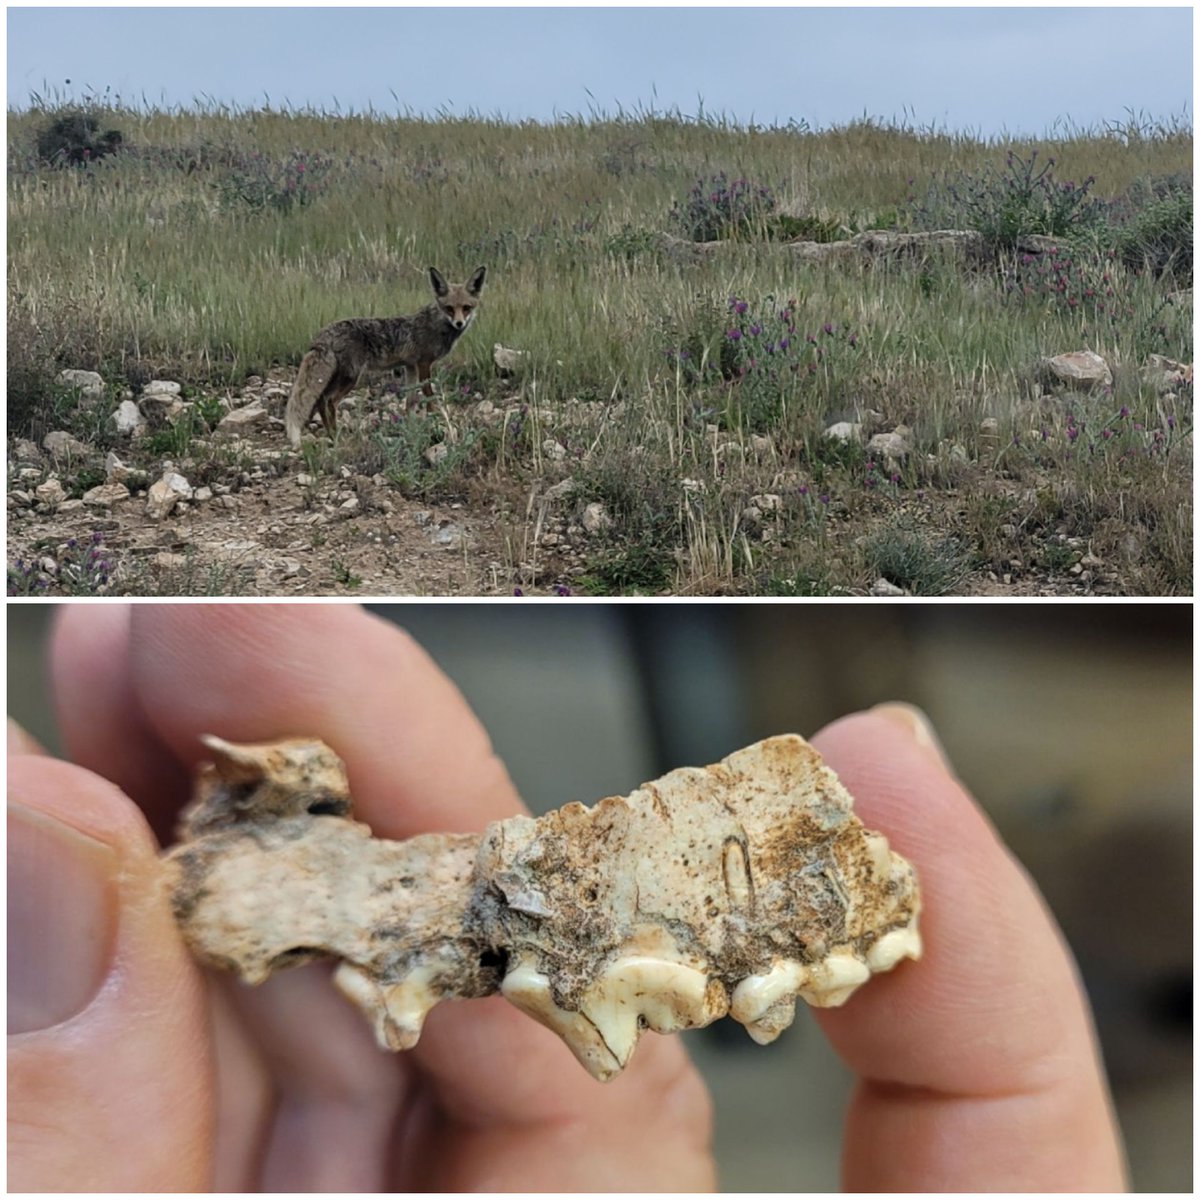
[{"x": 317, "y": 368}]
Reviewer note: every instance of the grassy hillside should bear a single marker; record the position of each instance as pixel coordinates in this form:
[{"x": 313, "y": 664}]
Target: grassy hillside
[{"x": 215, "y": 243}]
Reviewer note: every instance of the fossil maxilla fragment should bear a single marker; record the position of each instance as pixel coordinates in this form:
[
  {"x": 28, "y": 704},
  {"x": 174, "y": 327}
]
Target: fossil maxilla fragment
[{"x": 730, "y": 889}]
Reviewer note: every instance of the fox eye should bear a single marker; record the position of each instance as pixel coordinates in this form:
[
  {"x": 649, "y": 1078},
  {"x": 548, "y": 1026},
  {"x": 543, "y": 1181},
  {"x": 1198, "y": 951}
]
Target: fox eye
[{"x": 466, "y": 308}]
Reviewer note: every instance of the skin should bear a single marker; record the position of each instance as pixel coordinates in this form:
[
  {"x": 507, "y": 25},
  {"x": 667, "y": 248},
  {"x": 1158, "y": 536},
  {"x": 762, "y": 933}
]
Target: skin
[{"x": 977, "y": 1066}]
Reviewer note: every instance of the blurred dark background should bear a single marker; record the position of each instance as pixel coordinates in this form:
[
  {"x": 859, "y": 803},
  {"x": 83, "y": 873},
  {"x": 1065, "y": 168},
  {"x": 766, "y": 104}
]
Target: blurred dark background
[{"x": 1072, "y": 724}]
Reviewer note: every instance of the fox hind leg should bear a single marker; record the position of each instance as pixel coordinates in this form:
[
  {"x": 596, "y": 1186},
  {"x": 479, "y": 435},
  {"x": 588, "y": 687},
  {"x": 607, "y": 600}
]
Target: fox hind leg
[{"x": 423, "y": 372}]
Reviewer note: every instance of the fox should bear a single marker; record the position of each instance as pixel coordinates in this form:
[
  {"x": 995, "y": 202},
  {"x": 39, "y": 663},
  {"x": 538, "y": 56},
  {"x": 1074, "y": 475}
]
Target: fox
[{"x": 346, "y": 350}]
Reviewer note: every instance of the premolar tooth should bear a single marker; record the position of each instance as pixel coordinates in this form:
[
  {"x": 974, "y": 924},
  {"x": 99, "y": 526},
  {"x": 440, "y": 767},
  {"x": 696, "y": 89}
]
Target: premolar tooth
[
  {"x": 397, "y": 1012},
  {"x": 834, "y": 980},
  {"x": 766, "y": 1004},
  {"x": 668, "y": 996},
  {"x": 894, "y": 946}
]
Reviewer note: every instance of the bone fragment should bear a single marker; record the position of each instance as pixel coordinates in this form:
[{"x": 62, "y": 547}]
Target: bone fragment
[{"x": 730, "y": 889}]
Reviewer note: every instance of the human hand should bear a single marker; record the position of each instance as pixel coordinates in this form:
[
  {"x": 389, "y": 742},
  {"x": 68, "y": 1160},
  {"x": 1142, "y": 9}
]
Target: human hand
[{"x": 977, "y": 1065}]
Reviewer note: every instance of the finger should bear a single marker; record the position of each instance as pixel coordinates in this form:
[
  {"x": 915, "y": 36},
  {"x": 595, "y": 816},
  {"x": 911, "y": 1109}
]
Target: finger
[
  {"x": 978, "y": 1064},
  {"x": 99, "y": 714},
  {"x": 418, "y": 761},
  {"x": 22, "y": 742},
  {"x": 107, "y": 1029}
]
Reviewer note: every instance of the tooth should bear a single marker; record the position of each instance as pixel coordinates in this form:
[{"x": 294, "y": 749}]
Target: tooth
[
  {"x": 834, "y": 980},
  {"x": 894, "y": 946},
  {"x": 397, "y": 1011},
  {"x": 880, "y": 854},
  {"x": 529, "y": 990},
  {"x": 766, "y": 1004},
  {"x": 668, "y": 996}
]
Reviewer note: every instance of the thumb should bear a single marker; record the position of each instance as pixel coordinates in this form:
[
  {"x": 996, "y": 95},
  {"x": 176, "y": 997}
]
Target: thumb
[{"x": 109, "y": 1074}]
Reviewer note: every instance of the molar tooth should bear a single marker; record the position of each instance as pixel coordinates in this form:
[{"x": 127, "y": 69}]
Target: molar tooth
[
  {"x": 766, "y": 1004},
  {"x": 894, "y": 946},
  {"x": 834, "y": 980}
]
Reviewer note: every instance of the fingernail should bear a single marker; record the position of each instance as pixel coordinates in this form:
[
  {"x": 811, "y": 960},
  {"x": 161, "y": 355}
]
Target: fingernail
[
  {"x": 62, "y": 916},
  {"x": 917, "y": 724}
]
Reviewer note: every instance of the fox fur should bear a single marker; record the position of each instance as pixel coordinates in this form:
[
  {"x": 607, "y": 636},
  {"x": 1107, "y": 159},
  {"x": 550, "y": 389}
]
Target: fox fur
[{"x": 346, "y": 350}]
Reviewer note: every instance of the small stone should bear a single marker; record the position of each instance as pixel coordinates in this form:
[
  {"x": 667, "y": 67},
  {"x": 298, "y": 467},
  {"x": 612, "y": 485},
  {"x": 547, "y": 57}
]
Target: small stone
[
  {"x": 884, "y": 587},
  {"x": 89, "y": 384},
  {"x": 595, "y": 519},
  {"x": 51, "y": 493},
  {"x": 59, "y": 444},
  {"x": 25, "y": 451},
  {"x": 890, "y": 445},
  {"x": 178, "y": 484},
  {"x": 250, "y": 416},
  {"x": 161, "y": 500},
  {"x": 692, "y": 485},
  {"x": 105, "y": 496},
  {"x": 506, "y": 360},
  {"x": 449, "y": 535},
  {"x": 845, "y": 431},
  {"x": 561, "y": 490},
  {"x": 761, "y": 446},
  {"x": 70, "y": 506},
  {"x": 202, "y": 494},
  {"x": 1082, "y": 369},
  {"x": 127, "y": 418},
  {"x": 554, "y": 451},
  {"x": 436, "y": 453},
  {"x": 162, "y": 387}
]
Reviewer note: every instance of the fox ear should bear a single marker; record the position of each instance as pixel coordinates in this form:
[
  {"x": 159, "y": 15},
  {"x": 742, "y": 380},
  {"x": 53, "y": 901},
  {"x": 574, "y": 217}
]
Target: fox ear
[
  {"x": 475, "y": 286},
  {"x": 440, "y": 286}
]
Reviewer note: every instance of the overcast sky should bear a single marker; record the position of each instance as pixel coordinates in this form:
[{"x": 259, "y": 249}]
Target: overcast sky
[{"x": 985, "y": 70}]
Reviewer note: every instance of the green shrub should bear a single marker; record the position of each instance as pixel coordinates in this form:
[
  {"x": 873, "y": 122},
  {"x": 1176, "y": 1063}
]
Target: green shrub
[
  {"x": 911, "y": 559},
  {"x": 1023, "y": 198},
  {"x": 1152, "y": 226}
]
